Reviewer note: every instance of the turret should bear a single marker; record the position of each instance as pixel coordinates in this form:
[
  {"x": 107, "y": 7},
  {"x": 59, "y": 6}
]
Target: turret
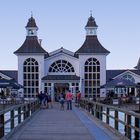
[
  {"x": 31, "y": 27},
  {"x": 91, "y": 27}
]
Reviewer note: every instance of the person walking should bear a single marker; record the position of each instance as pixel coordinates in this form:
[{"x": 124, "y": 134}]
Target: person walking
[
  {"x": 69, "y": 97},
  {"x": 62, "y": 101},
  {"x": 78, "y": 98},
  {"x": 41, "y": 98},
  {"x": 46, "y": 100},
  {"x": 50, "y": 101}
]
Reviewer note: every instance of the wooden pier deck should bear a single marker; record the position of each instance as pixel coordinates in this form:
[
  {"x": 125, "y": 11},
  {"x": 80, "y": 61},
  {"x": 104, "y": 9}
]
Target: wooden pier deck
[{"x": 55, "y": 124}]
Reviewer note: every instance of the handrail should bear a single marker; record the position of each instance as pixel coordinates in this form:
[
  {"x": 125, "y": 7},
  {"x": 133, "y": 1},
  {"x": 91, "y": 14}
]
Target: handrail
[
  {"x": 113, "y": 107},
  {"x": 20, "y": 112},
  {"x": 130, "y": 120}
]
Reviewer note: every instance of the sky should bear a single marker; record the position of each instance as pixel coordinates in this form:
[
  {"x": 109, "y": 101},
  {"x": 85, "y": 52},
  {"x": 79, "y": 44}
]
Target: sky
[{"x": 61, "y": 24}]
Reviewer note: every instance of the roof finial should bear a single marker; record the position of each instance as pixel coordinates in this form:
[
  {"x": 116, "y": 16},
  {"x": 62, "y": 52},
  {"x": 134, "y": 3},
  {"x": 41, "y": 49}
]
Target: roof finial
[
  {"x": 31, "y": 14},
  {"x": 91, "y": 13}
]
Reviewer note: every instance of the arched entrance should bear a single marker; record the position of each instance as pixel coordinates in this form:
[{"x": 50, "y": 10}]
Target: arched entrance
[{"x": 60, "y": 88}]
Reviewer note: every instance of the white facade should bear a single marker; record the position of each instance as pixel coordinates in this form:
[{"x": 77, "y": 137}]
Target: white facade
[
  {"x": 62, "y": 54},
  {"x": 62, "y": 69}
]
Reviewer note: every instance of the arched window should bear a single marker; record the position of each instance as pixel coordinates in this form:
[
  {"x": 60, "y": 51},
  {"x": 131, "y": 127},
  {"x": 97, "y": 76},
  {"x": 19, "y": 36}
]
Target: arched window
[
  {"x": 129, "y": 77},
  {"x": 31, "y": 77},
  {"x": 92, "y": 78},
  {"x": 61, "y": 66}
]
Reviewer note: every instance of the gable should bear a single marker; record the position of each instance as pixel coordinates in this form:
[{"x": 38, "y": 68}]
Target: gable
[
  {"x": 9, "y": 74},
  {"x": 128, "y": 74},
  {"x": 60, "y": 51},
  {"x": 60, "y": 55},
  {"x": 3, "y": 76}
]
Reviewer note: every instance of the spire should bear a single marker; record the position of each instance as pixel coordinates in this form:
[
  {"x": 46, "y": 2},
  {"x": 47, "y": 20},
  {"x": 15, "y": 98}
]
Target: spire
[
  {"x": 91, "y": 21},
  {"x": 90, "y": 12},
  {"x": 31, "y": 26},
  {"x": 31, "y": 45},
  {"x": 91, "y": 26},
  {"x": 31, "y": 21},
  {"x": 31, "y": 14},
  {"x": 91, "y": 44}
]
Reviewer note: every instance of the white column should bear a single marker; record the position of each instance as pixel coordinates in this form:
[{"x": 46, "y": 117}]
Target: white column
[
  {"x": 52, "y": 91},
  {"x": 136, "y": 93},
  {"x": 70, "y": 87}
]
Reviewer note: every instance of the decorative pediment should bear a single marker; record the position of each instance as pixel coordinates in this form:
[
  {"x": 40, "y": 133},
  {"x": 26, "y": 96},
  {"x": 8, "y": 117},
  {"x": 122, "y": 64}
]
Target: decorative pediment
[
  {"x": 129, "y": 75},
  {"x": 61, "y": 50}
]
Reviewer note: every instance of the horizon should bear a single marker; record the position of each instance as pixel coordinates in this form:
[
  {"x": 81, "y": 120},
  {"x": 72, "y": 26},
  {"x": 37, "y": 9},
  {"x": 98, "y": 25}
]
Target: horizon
[{"x": 62, "y": 25}]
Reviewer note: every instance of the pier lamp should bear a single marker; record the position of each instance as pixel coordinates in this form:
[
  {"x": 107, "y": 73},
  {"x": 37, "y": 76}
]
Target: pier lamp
[
  {"x": 138, "y": 91},
  {"x": 82, "y": 88},
  {"x": 139, "y": 100}
]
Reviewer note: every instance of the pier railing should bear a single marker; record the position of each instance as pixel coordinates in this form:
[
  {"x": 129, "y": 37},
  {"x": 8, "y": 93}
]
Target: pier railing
[
  {"x": 125, "y": 122},
  {"x": 11, "y": 117}
]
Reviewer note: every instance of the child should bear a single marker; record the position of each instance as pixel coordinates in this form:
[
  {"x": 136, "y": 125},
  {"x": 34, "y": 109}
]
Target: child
[{"x": 62, "y": 100}]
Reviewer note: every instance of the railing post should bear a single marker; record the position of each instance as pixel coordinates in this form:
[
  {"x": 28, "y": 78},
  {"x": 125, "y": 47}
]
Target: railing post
[
  {"x": 32, "y": 108},
  {"x": 101, "y": 110},
  {"x": 24, "y": 112},
  {"x": 12, "y": 119},
  {"x": 19, "y": 115},
  {"x": 93, "y": 110},
  {"x": 28, "y": 110},
  {"x": 128, "y": 129},
  {"x": 1, "y": 125},
  {"x": 97, "y": 111},
  {"x": 116, "y": 120},
  {"x": 137, "y": 123},
  {"x": 107, "y": 115},
  {"x": 88, "y": 109}
]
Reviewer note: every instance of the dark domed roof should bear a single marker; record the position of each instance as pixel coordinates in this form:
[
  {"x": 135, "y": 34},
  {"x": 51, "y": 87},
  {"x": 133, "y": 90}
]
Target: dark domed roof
[
  {"x": 31, "y": 22},
  {"x": 91, "y": 22},
  {"x": 92, "y": 45},
  {"x": 31, "y": 45}
]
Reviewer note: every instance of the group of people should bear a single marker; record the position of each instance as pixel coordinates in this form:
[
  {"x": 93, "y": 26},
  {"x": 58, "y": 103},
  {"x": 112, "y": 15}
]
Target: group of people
[
  {"x": 46, "y": 100},
  {"x": 69, "y": 97}
]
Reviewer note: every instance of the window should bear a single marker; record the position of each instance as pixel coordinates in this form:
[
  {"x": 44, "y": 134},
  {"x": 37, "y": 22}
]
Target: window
[
  {"x": 75, "y": 87},
  {"x": 92, "y": 78},
  {"x": 47, "y": 88},
  {"x": 61, "y": 66},
  {"x": 129, "y": 77},
  {"x": 31, "y": 77}
]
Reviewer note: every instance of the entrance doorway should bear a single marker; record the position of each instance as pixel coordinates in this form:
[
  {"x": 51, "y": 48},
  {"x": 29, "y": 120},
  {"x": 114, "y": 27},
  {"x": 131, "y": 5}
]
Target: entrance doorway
[{"x": 60, "y": 88}]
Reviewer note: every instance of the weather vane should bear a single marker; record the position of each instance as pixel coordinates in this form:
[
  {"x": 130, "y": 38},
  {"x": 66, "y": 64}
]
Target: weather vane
[
  {"x": 31, "y": 14},
  {"x": 90, "y": 12}
]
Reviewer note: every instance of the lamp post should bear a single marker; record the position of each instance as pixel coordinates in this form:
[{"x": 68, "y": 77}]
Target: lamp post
[
  {"x": 82, "y": 86},
  {"x": 2, "y": 95},
  {"x": 139, "y": 100},
  {"x": 138, "y": 95}
]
